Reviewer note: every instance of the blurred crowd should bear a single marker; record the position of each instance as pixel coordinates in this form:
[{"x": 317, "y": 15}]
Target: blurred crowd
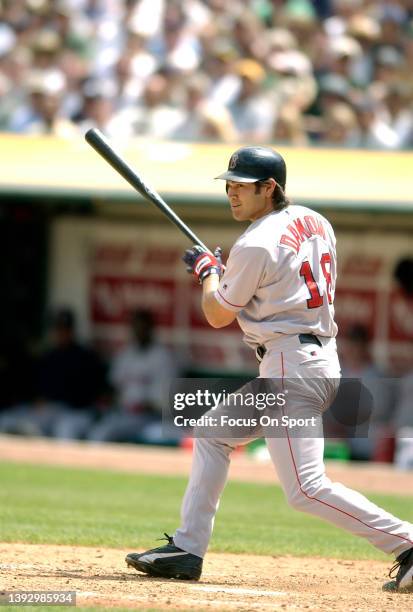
[
  {"x": 68, "y": 390},
  {"x": 329, "y": 72}
]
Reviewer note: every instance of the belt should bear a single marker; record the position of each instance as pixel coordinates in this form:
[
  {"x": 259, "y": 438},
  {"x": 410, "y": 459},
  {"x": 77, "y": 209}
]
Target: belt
[
  {"x": 309, "y": 339},
  {"x": 303, "y": 339}
]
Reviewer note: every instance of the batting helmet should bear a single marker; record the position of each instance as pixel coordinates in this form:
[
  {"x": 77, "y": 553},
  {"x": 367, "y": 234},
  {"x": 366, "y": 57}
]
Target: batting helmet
[{"x": 252, "y": 164}]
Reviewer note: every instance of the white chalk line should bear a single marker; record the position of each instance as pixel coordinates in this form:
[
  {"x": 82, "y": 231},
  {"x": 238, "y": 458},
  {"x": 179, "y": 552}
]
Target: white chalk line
[{"x": 221, "y": 603}]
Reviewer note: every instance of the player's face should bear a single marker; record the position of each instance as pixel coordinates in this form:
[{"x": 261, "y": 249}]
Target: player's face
[{"x": 247, "y": 202}]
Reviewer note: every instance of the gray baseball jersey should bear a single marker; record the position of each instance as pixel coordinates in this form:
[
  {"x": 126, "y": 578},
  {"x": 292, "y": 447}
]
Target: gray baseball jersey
[
  {"x": 280, "y": 276},
  {"x": 280, "y": 280}
]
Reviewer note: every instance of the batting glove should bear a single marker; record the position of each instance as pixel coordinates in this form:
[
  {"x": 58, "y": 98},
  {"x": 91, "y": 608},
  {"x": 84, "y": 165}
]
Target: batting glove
[{"x": 201, "y": 264}]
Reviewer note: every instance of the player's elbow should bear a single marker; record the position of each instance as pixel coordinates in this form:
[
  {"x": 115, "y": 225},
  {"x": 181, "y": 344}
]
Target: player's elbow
[
  {"x": 216, "y": 315},
  {"x": 216, "y": 322}
]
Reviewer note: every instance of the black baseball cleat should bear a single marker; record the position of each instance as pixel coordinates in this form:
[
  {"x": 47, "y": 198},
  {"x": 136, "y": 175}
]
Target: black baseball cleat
[
  {"x": 167, "y": 561},
  {"x": 403, "y": 580}
]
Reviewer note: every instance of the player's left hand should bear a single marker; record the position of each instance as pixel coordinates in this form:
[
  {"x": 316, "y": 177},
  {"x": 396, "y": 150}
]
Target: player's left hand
[{"x": 201, "y": 264}]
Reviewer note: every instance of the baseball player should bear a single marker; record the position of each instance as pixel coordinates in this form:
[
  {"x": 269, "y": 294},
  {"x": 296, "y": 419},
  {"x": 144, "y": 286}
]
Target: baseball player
[{"x": 279, "y": 284}]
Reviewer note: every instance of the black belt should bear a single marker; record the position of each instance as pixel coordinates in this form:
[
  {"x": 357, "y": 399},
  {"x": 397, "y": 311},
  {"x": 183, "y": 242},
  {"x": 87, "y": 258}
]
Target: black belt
[
  {"x": 309, "y": 339},
  {"x": 303, "y": 338}
]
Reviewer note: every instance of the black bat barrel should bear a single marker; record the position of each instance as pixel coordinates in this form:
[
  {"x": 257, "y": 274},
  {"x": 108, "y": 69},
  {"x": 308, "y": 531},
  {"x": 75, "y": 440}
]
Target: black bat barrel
[{"x": 98, "y": 141}]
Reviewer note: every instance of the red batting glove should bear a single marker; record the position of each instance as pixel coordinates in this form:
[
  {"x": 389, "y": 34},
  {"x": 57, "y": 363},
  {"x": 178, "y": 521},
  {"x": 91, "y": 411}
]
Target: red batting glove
[{"x": 201, "y": 264}]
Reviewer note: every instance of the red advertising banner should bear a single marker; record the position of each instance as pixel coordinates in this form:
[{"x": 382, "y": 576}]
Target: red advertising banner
[
  {"x": 127, "y": 275},
  {"x": 400, "y": 317},
  {"x": 114, "y": 298}
]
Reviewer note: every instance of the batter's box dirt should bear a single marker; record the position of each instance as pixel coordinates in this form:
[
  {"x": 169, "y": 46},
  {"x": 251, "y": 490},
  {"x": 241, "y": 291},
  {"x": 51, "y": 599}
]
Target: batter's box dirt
[{"x": 229, "y": 582}]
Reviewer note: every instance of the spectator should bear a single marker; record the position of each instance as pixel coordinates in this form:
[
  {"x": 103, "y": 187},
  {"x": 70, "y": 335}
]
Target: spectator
[
  {"x": 289, "y": 127},
  {"x": 140, "y": 374},
  {"x": 357, "y": 363},
  {"x": 333, "y": 88},
  {"x": 403, "y": 458},
  {"x": 340, "y": 127},
  {"x": 408, "y": 59},
  {"x": 12, "y": 73},
  {"x": 396, "y": 112},
  {"x": 374, "y": 132},
  {"x": 252, "y": 112},
  {"x": 43, "y": 113},
  {"x": 343, "y": 11},
  {"x": 134, "y": 66},
  {"x": 387, "y": 69},
  {"x": 280, "y": 40},
  {"x": 366, "y": 31},
  {"x": 177, "y": 49},
  {"x": 353, "y": 48},
  {"x": 69, "y": 387},
  {"x": 216, "y": 124},
  {"x": 246, "y": 30},
  {"x": 392, "y": 17},
  {"x": 72, "y": 28},
  {"x": 98, "y": 108},
  {"x": 344, "y": 53},
  {"x": 356, "y": 354},
  {"x": 155, "y": 115},
  {"x": 204, "y": 120},
  {"x": 219, "y": 61},
  {"x": 300, "y": 18},
  {"x": 45, "y": 48},
  {"x": 291, "y": 79},
  {"x": 194, "y": 100},
  {"x": 148, "y": 14}
]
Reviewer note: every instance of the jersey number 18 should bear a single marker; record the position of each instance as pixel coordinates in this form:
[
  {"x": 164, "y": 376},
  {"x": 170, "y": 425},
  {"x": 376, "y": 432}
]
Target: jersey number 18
[{"x": 316, "y": 300}]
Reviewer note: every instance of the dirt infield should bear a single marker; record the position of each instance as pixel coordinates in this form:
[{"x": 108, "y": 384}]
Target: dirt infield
[{"x": 229, "y": 582}]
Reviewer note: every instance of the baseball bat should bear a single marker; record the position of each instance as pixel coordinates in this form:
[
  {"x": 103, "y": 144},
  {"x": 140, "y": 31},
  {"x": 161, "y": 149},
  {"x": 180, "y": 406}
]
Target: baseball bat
[{"x": 98, "y": 141}]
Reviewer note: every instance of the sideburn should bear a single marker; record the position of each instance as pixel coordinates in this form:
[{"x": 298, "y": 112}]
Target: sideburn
[{"x": 278, "y": 197}]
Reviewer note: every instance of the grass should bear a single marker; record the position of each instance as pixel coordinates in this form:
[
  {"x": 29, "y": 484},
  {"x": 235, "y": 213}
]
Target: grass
[{"x": 59, "y": 505}]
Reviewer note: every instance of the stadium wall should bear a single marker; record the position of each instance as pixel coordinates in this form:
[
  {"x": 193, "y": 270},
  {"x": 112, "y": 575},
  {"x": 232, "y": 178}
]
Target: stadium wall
[{"x": 106, "y": 251}]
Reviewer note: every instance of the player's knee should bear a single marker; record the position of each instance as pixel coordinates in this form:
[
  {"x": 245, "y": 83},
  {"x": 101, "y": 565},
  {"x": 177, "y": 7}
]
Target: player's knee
[
  {"x": 298, "y": 500},
  {"x": 303, "y": 496}
]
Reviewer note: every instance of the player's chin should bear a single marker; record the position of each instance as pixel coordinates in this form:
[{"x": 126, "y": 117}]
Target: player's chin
[{"x": 237, "y": 213}]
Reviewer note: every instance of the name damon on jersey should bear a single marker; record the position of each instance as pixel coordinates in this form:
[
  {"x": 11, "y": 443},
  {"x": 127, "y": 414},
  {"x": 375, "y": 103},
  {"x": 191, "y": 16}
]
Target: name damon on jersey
[{"x": 300, "y": 230}]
